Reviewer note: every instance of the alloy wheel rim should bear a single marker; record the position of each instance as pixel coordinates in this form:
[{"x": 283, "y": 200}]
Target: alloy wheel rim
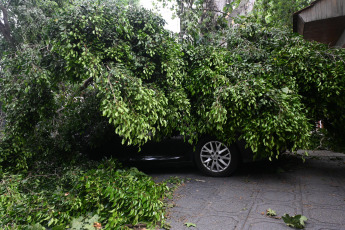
[{"x": 215, "y": 156}]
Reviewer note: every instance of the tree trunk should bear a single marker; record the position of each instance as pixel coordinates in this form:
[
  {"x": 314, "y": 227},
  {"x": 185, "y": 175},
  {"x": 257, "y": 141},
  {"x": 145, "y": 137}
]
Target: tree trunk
[
  {"x": 5, "y": 26},
  {"x": 244, "y": 8}
]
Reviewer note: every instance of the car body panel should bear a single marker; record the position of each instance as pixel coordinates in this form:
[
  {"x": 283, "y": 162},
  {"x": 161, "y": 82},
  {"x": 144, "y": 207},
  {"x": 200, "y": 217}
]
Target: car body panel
[{"x": 176, "y": 149}]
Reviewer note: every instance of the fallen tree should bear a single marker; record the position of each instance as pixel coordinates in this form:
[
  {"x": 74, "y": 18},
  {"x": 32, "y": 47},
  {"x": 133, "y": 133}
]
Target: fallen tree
[{"x": 101, "y": 69}]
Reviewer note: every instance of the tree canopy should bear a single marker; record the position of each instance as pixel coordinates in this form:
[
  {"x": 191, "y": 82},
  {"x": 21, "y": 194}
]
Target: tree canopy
[
  {"x": 90, "y": 69},
  {"x": 278, "y": 13}
]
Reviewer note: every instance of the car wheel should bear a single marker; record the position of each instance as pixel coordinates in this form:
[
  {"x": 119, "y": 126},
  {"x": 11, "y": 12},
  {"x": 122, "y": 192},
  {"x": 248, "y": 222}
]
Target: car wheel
[{"x": 215, "y": 158}]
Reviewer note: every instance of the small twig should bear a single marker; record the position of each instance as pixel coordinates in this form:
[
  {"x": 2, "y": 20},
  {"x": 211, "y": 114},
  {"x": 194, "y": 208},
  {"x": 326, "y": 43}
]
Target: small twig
[
  {"x": 221, "y": 44},
  {"x": 47, "y": 175},
  {"x": 87, "y": 82},
  {"x": 111, "y": 86}
]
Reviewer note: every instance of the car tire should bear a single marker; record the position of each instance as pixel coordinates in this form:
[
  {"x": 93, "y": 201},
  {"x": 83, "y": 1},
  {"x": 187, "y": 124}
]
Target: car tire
[{"x": 215, "y": 158}]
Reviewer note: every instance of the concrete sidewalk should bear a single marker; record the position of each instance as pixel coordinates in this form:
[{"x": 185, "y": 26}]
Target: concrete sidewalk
[{"x": 315, "y": 189}]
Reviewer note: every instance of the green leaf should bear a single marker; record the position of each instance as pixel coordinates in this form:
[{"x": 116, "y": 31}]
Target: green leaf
[
  {"x": 190, "y": 224},
  {"x": 295, "y": 221},
  {"x": 286, "y": 90},
  {"x": 270, "y": 212}
]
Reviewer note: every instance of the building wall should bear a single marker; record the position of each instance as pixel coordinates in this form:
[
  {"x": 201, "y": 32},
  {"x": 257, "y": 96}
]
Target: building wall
[
  {"x": 322, "y": 21},
  {"x": 341, "y": 41},
  {"x": 324, "y": 9}
]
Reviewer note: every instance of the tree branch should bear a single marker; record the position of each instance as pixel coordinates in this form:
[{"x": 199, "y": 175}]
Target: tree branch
[
  {"x": 111, "y": 86},
  {"x": 86, "y": 83}
]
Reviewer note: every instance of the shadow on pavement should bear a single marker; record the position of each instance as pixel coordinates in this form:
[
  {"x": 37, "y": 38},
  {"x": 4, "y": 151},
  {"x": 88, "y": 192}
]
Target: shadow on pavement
[{"x": 283, "y": 164}]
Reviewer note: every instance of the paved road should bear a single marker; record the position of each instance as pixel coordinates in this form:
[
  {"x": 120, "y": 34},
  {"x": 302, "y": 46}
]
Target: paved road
[{"x": 315, "y": 189}]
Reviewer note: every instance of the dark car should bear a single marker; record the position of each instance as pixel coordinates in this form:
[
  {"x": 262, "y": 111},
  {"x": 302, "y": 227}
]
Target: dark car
[{"x": 212, "y": 157}]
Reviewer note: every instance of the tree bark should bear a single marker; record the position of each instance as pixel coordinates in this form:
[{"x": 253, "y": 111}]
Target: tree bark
[
  {"x": 5, "y": 26},
  {"x": 244, "y": 8}
]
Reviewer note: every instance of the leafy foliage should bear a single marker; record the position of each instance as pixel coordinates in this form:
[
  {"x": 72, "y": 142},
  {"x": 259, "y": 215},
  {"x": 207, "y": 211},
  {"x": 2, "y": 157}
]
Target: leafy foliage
[
  {"x": 101, "y": 69},
  {"x": 188, "y": 225},
  {"x": 89, "y": 70},
  {"x": 270, "y": 212},
  {"x": 309, "y": 70},
  {"x": 71, "y": 196},
  {"x": 202, "y": 21},
  {"x": 2, "y": 122},
  {"x": 295, "y": 221},
  {"x": 26, "y": 22},
  {"x": 47, "y": 110},
  {"x": 278, "y": 13}
]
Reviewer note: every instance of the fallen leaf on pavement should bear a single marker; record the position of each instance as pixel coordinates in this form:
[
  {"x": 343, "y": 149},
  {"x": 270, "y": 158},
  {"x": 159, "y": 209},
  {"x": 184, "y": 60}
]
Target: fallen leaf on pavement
[{"x": 190, "y": 225}]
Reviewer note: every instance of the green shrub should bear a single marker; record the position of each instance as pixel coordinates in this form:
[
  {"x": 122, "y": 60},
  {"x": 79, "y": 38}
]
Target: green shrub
[{"x": 69, "y": 195}]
